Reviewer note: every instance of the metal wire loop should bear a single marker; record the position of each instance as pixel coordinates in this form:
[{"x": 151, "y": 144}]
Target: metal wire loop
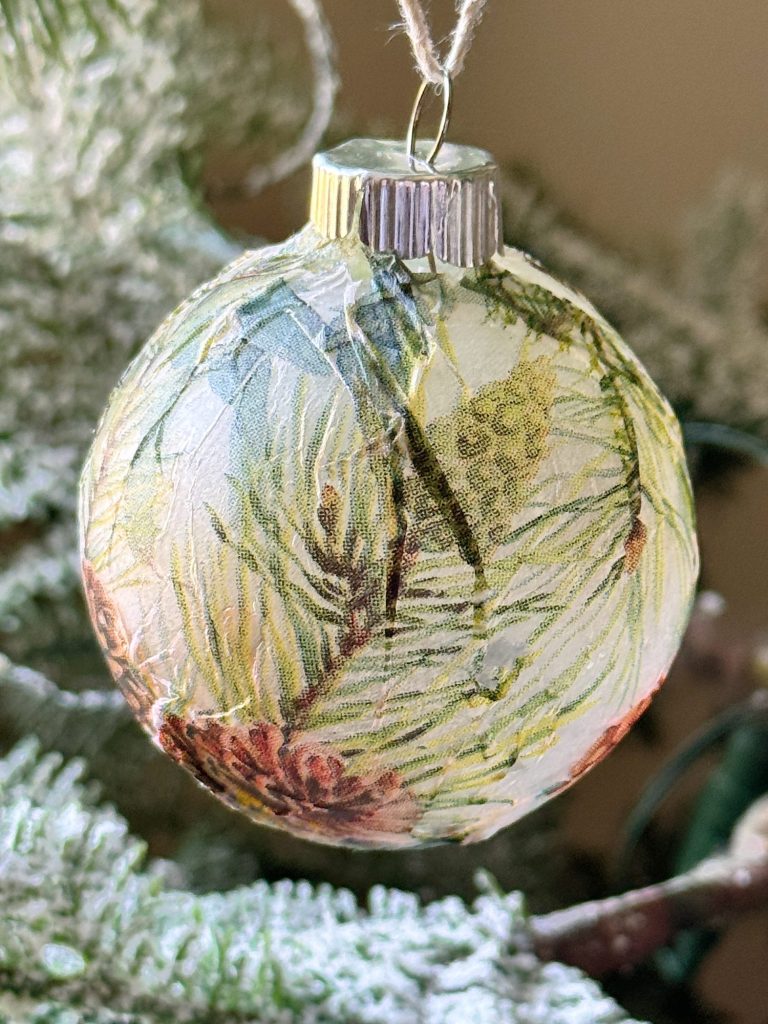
[{"x": 446, "y": 90}]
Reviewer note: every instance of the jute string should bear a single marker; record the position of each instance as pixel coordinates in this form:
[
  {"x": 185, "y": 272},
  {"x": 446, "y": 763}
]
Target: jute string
[{"x": 426, "y": 54}]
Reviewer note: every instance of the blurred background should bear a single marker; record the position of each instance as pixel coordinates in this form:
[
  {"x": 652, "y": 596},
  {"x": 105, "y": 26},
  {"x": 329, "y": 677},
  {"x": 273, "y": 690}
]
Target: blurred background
[
  {"x": 635, "y": 156},
  {"x": 629, "y": 112}
]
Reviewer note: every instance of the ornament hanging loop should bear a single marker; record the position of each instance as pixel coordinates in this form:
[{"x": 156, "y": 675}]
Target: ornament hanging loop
[{"x": 445, "y": 89}]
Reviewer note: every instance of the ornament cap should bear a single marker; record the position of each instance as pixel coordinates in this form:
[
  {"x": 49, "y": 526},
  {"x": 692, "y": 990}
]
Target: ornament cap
[{"x": 406, "y": 206}]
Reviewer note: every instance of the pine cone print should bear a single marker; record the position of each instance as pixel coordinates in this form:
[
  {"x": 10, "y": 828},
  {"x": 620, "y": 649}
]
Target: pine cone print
[{"x": 490, "y": 448}]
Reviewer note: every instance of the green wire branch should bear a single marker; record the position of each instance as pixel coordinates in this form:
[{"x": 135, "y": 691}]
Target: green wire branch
[
  {"x": 729, "y": 439},
  {"x": 751, "y": 712}
]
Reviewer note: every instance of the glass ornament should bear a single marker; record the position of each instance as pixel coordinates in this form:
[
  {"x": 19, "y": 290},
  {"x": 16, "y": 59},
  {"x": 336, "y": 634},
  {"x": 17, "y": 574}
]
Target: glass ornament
[{"x": 387, "y": 536}]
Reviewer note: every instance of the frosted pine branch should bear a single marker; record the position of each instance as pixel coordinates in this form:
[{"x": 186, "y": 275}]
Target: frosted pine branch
[
  {"x": 84, "y": 722},
  {"x": 622, "y": 931},
  {"x": 85, "y": 927},
  {"x": 140, "y": 944}
]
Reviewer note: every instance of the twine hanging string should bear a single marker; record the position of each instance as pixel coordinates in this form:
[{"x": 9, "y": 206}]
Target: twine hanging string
[{"x": 427, "y": 56}]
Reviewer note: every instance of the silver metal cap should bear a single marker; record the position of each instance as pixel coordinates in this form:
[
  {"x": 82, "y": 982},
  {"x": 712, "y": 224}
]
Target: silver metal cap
[{"x": 409, "y": 208}]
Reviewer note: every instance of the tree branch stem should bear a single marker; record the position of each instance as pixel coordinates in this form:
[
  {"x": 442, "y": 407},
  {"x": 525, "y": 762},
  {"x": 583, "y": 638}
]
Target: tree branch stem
[{"x": 617, "y": 933}]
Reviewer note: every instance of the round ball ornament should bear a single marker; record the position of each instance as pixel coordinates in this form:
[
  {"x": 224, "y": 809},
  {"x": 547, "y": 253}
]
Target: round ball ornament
[{"x": 387, "y": 536}]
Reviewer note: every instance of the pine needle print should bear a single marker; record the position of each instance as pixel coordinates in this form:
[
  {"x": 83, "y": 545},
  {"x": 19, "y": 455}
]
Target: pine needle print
[{"x": 386, "y": 550}]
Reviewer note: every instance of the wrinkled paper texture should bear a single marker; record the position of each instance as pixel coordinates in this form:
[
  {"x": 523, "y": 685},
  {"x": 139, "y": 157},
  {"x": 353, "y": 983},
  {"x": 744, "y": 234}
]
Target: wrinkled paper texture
[{"x": 386, "y": 558}]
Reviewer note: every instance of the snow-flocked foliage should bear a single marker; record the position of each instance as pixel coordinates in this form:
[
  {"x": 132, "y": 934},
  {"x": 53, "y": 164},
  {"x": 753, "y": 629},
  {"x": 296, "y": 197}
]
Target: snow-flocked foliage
[{"x": 87, "y": 925}]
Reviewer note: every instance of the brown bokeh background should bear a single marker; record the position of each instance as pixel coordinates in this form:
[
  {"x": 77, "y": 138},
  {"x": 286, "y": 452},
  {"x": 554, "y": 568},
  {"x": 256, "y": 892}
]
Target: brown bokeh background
[{"x": 628, "y": 112}]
